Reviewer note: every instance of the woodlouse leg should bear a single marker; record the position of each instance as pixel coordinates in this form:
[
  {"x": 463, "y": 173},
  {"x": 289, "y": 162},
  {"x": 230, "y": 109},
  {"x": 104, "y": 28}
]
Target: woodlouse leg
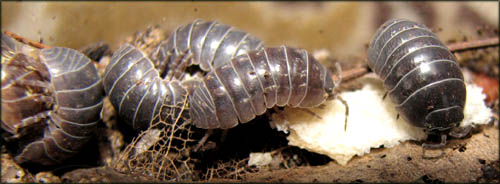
[
  {"x": 311, "y": 113},
  {"x": 162, "y": 66},
  {"x": 436, "y": 145},
  {"x": 426, "y": 146},
  {"x": 203, "y": 140},
  {"x": 30, "y": 64},
  {"x": 346, "y": 111},
  {"x": 181, "y": 69},
  {"x": 35, "y": 83},
  {"x": 31, "y": 120},
  {"x": 224, "y": 135},
  {"x": 12, "y": 135},
  {"x": 43, "y": 98},
  {"x": 385, "y": 95},
  {"x": 459, "y": 132},
  {"x": 173, "y": 67}
]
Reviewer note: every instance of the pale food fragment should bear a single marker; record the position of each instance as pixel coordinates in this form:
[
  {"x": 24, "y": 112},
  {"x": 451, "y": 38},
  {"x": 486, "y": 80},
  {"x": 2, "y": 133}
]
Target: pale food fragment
[
  {"x": 260, "y": 159},
  {"x": 372, "y": 122}
]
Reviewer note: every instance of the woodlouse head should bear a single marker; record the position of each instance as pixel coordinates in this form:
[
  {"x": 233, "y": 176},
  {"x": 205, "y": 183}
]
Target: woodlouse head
[
  {"x": 329, "y": 86},
  {"x": 444, "y": 119}
]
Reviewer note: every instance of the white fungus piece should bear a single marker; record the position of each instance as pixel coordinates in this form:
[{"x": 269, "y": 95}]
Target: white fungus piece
[
  {"x": 147, "y": 140},
  {"x": 321, "y": 54},
  {"x": 260, "y": 159},
  {"x": 371, "y": 122}
]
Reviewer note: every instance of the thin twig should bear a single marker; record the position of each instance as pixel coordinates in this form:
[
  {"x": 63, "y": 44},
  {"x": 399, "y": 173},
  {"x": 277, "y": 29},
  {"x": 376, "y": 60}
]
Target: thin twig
[
  {"x": 25, "y": 40},
  {"x": 352, "y": 73},
  {"x": 473, "y": 44}
]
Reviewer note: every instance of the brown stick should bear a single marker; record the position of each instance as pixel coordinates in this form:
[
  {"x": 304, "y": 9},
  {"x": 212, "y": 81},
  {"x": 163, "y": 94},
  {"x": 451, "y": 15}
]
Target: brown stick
[
  {"x": 25, "y": 40},
  {"x": 473, "y": 44},
  {"x": 353, "y": 73}
]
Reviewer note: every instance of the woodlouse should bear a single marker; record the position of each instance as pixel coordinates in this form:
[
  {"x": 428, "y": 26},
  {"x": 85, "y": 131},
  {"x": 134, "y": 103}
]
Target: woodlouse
[
  {"x": 249, "y": 84},
  {"x": 421, "y": 74},
  {"x": 208, "y": 44},
  {"x": 51, "y": 101},
  {"x": 235, "y": 91}
]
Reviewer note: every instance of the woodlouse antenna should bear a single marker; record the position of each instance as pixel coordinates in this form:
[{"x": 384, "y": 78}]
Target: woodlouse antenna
[
  {"x": 339, "y": 74},
  {"x": 346, "y": 111}
]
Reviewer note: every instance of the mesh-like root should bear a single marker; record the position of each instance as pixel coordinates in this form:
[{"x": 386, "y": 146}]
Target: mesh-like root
[
  {"x": 233, "y": 169},
  {"x": 161, "y": 151},
  {"x": 164, "y": 152},
  {"x": 236, "y": 169}
]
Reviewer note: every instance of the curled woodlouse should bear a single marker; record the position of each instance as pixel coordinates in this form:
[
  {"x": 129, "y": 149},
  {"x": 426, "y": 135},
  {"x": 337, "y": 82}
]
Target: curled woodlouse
[
  {"x": 51, "y": 101},
  {"x": 422, "y": 75},
  {"x": 136, "y": 89},
  {"x": 235, "y": 91},
  {"x": 18, "y": 102},
  {"x": 207, "y": 43}
]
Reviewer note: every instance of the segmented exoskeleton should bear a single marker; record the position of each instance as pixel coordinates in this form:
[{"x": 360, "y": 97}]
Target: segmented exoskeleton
[
  {"x": 51, "y": 101},
  {"x": 236, "y": 91},
  {"x": 136, "y": 90},
  {"x": 249, "y": 84},
  {"x": 422, "y": 75},
  {"x": 209, "y": 44}
]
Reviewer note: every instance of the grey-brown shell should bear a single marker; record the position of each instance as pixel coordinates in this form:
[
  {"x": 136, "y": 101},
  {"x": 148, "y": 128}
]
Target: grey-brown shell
[
  {"x": 136, "y": 90},
  {"x": 236, "y": 91},
  {"x": 139, "y": 86},
  {"x": 249, "y": 84},
  {"x": 208, "y": 44},
  {"x": 69, "y": 110},
  {"x": 422, "y": 75}
]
